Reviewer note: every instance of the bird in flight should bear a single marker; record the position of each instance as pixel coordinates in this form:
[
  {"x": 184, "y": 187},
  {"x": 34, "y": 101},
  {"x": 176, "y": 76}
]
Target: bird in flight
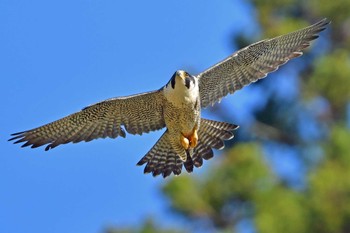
[{"x": 188, "y": 138}]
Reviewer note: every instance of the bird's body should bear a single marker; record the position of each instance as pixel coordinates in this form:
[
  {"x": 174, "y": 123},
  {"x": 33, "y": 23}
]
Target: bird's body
[
  {"x": 188, "y": 138},
  {"x": 183, "y": 101}
]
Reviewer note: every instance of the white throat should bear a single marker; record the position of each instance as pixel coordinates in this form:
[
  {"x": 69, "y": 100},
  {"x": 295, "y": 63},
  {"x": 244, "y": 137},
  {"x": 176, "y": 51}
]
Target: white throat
[{"x": 181, "y": 95}]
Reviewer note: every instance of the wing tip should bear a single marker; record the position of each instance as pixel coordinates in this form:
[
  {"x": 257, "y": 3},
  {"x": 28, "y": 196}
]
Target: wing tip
[
  {"x": 325, "y": 21},
  {"x": 319, "y": 27},
  {"x": 17, "y": 135}
]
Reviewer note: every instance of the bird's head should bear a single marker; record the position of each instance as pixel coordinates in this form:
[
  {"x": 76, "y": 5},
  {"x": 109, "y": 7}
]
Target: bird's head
[
  {"x": 181, "y": 79},
  {"x": 182, "y": 87}
]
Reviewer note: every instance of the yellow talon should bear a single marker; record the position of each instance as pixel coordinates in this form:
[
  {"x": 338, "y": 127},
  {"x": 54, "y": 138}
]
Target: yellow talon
[
  {"x": 184, "y": 142},
  {"x": 193, "y": 138},
  {"x": 189, "y": 141}
]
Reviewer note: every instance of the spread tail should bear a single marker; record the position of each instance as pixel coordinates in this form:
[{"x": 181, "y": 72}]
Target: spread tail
[{"x": 162, "y": 159}]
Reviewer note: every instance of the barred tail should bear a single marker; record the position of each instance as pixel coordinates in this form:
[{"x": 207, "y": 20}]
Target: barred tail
[{"x": 162, "y": 159}]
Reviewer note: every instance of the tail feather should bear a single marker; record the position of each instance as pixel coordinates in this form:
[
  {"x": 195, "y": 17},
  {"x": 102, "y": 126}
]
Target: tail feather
[
  {"x": 188, "y": 164},
  {"x": 162, "y": 159}
]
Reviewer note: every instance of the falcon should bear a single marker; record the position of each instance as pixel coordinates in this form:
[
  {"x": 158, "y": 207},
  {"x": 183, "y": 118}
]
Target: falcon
[{"x": 188, "y": 138}]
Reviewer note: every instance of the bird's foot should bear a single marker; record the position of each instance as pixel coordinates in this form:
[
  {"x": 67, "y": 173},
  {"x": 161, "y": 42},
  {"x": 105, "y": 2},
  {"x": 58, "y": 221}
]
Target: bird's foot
[
  {"x": 193, "y": 138},
  {"x": 189, "y": 141},
  {"x": 184, "y": 142}
]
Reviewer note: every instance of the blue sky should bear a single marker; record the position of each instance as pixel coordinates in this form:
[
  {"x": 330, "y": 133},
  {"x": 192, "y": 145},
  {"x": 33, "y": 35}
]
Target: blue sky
[{"x": 60, "y": 56}]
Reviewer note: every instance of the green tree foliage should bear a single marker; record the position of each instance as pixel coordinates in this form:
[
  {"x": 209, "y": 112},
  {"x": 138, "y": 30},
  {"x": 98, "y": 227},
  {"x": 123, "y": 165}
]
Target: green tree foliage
[
  {"x": 336, "y": 87},
  {"x": 222, "y": 195},
  {"x": 241, "y": 184},
  {"x": 329, "y": 191}
]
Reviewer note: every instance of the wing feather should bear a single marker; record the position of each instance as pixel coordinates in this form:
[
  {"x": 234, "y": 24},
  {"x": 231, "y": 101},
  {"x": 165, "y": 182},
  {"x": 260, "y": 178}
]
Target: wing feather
[
  {"x": 139, "y": 114},
  {"x": 254, "y": 62}
]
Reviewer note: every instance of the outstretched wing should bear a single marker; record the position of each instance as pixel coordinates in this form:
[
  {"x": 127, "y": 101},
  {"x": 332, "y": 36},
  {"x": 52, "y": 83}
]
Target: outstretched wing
[
  {"x": 254, "y": 62},
  {"x": 138, "y": 114}
]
